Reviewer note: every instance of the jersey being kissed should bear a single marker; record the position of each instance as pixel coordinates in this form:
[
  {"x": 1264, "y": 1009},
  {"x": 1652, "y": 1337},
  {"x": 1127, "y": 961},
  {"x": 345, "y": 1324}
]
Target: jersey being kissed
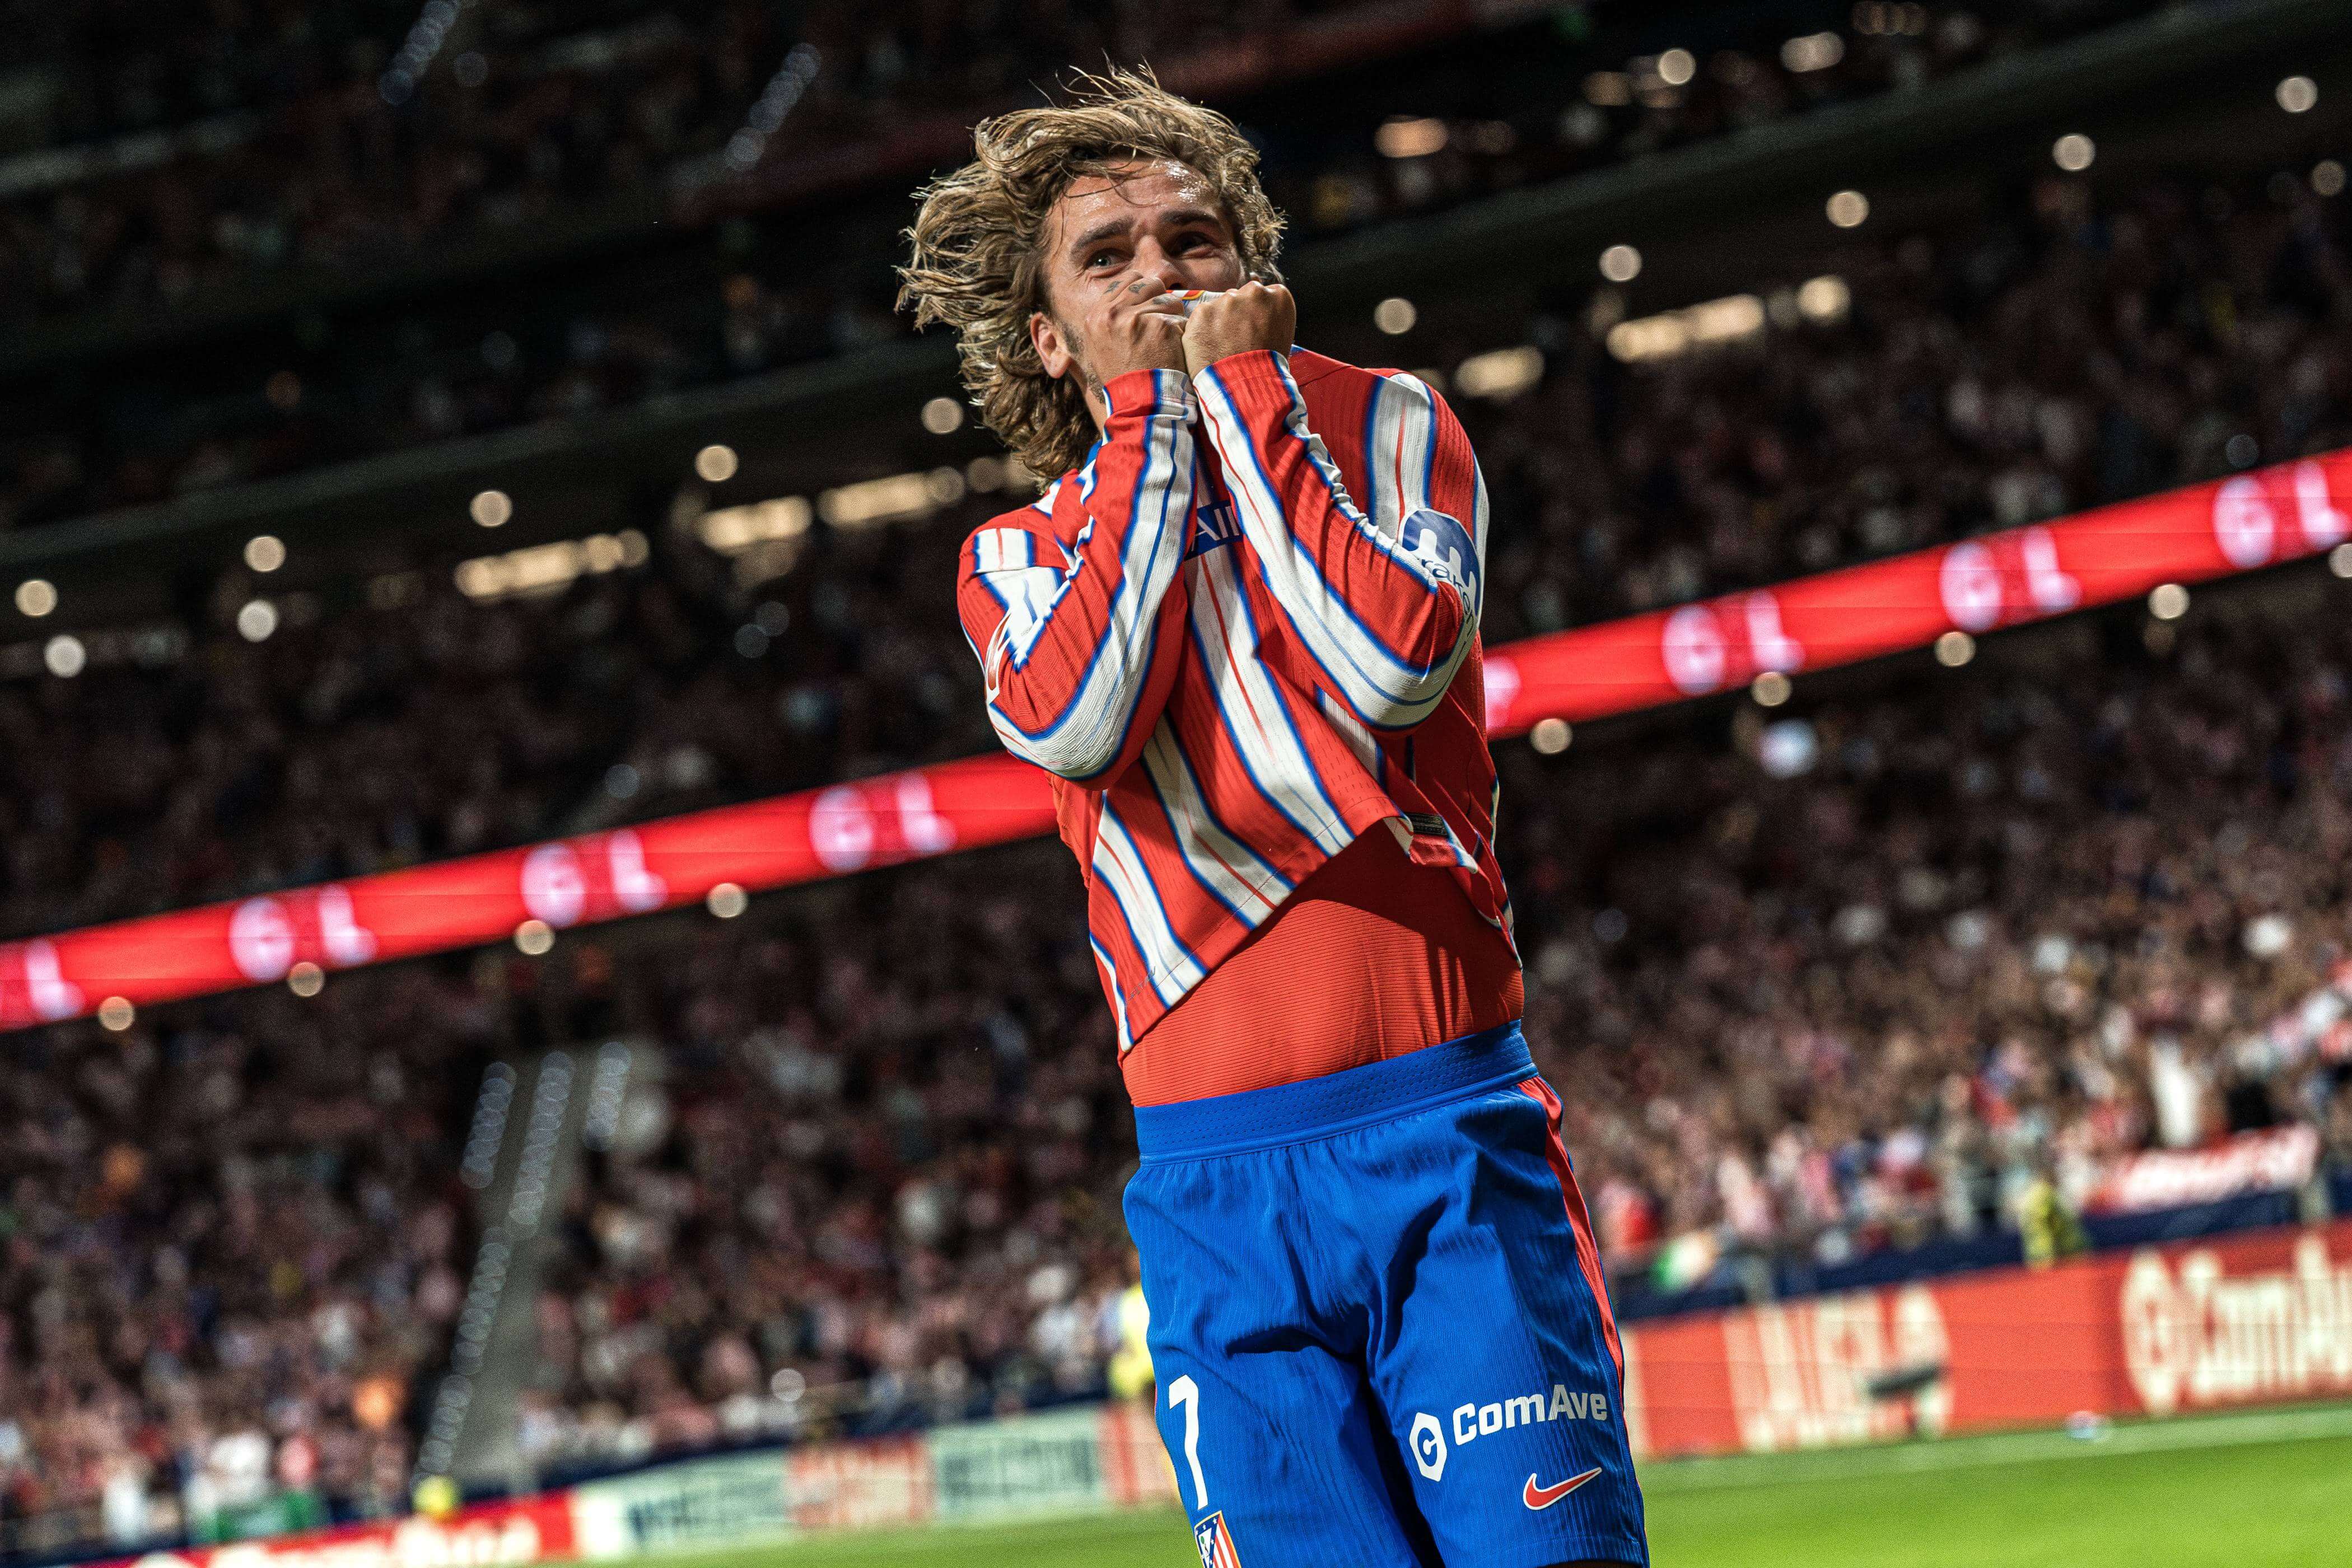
[{"x": 1243, "y": 634}]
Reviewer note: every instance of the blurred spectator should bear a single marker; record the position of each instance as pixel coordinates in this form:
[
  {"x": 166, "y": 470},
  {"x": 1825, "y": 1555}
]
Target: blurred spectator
[
  {"x": 231, "y": 1248},
  {"x": 558, "y": 119}
]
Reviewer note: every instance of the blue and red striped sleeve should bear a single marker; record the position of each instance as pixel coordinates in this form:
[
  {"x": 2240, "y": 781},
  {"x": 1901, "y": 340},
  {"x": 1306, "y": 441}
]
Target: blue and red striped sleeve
[
  {"x": 1080, "y": 644},
  {"x": 1384, "y": 594}
]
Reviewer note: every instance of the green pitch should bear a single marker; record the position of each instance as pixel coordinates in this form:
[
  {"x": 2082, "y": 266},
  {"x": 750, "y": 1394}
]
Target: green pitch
[{"x": 2246, "y": 1491}]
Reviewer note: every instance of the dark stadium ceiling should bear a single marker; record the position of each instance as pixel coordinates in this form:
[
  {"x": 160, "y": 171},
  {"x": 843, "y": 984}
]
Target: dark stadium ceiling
[{"x": 1712, "y": 219}]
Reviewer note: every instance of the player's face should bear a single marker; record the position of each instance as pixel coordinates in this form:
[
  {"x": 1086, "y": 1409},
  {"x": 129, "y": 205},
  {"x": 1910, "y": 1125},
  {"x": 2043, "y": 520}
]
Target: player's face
[{"x": 1144, "y": 230}]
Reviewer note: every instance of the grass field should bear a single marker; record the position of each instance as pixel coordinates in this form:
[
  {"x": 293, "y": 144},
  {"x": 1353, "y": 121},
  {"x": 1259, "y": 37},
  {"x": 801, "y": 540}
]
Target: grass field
[{"x": 2270, "y": 1490}]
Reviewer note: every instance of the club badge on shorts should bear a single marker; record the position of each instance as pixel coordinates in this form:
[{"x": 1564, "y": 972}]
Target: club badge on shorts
[{"x": 1215, "y": 1544}]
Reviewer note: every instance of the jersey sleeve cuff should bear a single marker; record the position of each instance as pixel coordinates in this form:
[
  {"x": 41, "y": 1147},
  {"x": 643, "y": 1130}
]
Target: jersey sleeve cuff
[{"x": 1144, "y": 393}]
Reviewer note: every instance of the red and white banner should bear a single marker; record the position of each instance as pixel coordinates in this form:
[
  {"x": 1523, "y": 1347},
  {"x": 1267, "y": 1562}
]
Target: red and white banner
[
  {"x": 2263, "y": 1318},
  {"x": 1978, "y": 586},
  {"x": 2275, "y": 1159},
  {"x": 857, "y": 1486},
  {"x": 494, "y": 1535},
  {"x": 629, "y": 871}
]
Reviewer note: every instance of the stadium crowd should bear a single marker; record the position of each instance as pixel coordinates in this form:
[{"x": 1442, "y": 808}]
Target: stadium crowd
[
  {"x": 228, "y": 1249},
  {"x": 1853, "y": 983},
  {"x": 2072, "y": 356},
  {"x": 1858, "y": 979},
  {"x": 509, "y": 135}
]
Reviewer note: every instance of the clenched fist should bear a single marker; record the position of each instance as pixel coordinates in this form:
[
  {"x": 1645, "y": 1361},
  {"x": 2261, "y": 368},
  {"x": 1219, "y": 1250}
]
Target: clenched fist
[
  {"x": 1142, "y": 330},
  {"x": 1253, "y": 316}
]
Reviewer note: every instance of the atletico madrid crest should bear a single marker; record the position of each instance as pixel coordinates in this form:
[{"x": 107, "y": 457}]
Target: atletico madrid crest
[{"x": 1216, "y": 1546}]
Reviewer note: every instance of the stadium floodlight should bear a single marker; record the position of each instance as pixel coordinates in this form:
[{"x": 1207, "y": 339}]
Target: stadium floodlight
[
  {"x": 548, "y": 566},
  {"x": 255, "y": 619},
  {"x": 2074, "y": 152},
  {"x": 1671, "y": 333},
  {"x": 1395, "y": 315},
  {"x": 1620, "y": 264},
  {"x": 900, "y": 498},
  {"x": 1849, "y": 209},
  {"x": 265, "y": 552},
  {"x": 1814, "y": 52},
  {"x": 1407, "y": 136},
  {"x": 491, "y": 508},
  {"x": 65, "y": 656},
  {"x": 1824, "y": 299},
  {"x": 36, "y": 597},
  {"x": 1677, "y": 66},
  {"x": 2298, "y": 94},
  {"x": 716, "y": 463},
  {"x": 1499, "y": 374},
  {"x": 735, "y": 529}
]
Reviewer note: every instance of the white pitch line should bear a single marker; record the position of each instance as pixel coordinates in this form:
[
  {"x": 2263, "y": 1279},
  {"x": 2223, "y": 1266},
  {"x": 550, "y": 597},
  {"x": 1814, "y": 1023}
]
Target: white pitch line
[{"x": 1975, "y": 1453}]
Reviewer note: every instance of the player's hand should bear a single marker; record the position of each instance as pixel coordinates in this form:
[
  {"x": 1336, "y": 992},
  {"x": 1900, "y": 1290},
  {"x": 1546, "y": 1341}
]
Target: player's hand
[
  {"x": 1142, "y": 330},
  {"x": 1253, "y": 316}
]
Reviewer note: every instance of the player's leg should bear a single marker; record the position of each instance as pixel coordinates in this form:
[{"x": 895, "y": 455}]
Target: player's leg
[
  {"x": 1270, "y": 1423},
  {"x": 1497, "y": 1361}
]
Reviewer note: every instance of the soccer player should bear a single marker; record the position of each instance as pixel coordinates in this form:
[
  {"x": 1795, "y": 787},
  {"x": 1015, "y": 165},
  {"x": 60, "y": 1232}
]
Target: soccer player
[{"x": 1240, "y": 628}]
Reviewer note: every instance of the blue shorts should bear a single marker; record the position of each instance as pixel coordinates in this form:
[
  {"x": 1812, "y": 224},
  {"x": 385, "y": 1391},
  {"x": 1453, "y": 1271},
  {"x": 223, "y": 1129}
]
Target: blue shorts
[{"x": 1378, "y": 1324}]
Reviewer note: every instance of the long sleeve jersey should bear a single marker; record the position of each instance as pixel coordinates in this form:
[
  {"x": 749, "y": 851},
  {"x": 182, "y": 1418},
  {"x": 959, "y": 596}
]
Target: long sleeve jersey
[{"x": 1243, "y": 632}]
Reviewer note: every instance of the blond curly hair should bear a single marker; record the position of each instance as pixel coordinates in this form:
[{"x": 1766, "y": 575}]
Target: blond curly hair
[{"x": 978, "y": 261}]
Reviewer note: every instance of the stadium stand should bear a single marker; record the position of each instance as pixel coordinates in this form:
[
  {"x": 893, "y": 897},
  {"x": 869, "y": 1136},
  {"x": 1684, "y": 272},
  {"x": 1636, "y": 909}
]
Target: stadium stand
[
  {"x": 314, "y": 172},
  {"x": 2066, "y": 356},
  {"x": 2012, "y": 1012},
  {"x": 229, "y": 1256},
  {"x": 2100, "y": 910},
  {"x": 2082, "y": 899}
]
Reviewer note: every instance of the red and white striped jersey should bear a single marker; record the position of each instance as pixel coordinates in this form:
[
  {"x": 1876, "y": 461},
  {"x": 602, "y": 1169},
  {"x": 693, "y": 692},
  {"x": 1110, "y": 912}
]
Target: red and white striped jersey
[{"x": 1243, "y": 632}]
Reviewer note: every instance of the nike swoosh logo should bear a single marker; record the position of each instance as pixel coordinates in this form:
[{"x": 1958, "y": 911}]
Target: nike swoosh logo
[{"x": 1537, "y": 1497}]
